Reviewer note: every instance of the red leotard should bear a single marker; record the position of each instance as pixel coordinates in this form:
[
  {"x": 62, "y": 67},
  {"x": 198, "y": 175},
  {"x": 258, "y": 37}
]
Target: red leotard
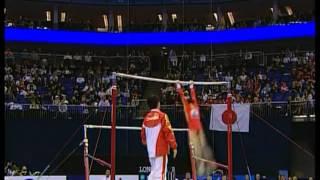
[{"x": 191, "y": 110}]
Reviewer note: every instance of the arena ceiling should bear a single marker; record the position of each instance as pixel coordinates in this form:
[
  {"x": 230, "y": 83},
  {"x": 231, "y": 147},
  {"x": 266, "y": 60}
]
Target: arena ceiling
[
  {"x": 241, "y": 9},
  {"x": 138, "y": 2}
]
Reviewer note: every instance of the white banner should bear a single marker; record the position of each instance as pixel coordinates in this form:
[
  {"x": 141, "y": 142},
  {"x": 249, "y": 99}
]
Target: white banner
[
  {"x": 92, "y": 177},
  {"x": 242, "y": 122}
]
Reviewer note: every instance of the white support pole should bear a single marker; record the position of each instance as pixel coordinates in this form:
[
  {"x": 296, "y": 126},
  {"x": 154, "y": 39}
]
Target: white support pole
[{"x": 85, "y": 153}]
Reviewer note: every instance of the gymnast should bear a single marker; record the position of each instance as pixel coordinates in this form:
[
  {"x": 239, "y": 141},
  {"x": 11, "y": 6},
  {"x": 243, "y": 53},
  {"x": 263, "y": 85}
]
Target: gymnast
[{"x": 197, "y": 136}]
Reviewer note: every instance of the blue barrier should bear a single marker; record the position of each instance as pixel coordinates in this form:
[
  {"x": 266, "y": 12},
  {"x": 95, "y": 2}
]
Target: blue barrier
[{"x": 304, "y": 29}]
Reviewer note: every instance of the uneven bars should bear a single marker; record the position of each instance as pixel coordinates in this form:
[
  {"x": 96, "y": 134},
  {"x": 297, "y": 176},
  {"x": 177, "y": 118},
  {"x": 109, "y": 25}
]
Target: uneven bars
[
  {"x": 210, "y": 162},
  {"x": 102, "y": 162},
  {"x": 125, "y": 127},
  {"x": 167, "y": 80}
]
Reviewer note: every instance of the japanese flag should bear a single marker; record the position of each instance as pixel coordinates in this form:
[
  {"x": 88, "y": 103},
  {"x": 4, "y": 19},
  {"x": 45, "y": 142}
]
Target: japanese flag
[{"x": 241, "y": 124}]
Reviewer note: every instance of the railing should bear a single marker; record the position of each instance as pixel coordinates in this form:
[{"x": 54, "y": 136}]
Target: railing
[
  {"x": 135, "y": 113},
  {"x": 185, "y": 61},
  {"x": 31, "y": 55}
]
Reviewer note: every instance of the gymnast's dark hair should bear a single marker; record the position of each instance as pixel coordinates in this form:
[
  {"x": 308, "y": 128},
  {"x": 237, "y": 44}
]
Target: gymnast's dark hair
[{"x": 153, "y": 101}]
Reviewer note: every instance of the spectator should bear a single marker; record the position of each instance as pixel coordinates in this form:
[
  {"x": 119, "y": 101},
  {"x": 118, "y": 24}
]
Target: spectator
[
  {"x": 125, "y": 97},
  {"x": 35, "y": 103},
  {"x": 35, "y": 56},
  {"x": 173, "y": 58},
  {"x": 15, "y": 170},
  {"x": 283, "y": 87},
  {"x": 107, "y": 174},
  {"x": 63, "y": 104},
  {"x": 276, "y": 59},
  {"x": 210, "y": 100},
  {"x": 88, "y": 57},
  {"x": 24, "y": 171},
  {"x": 257, "y": 177},
  {"x": 243, "y": 77},
  {"x": 202, "y": 60},
  {"x": 109, "y": 91},
  {"x": 80, "y": 79},
  {"x": 8, "y": 169},
  {"x": 77, "y": 57},
  {"x": 238, "y": 86},
  {"x": 228, "y": 78},
  {"x": 187, "y": 176},
  {"x": 135, "y": 101},
  {"x": 281, "y": 177},
  {"x": 246, "y": 177},
  {"x": 67, "y": 56},
  {"x": 74, "y": 100},
  {"x": 102, "y": 92},
  {"x": 8, "y": 54},
  {"x": 104, "y": 102},
  {"x": 56, "y": 100}
]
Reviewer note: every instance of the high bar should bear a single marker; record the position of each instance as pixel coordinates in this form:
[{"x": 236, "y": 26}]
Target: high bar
[
  {"x": 167, "y": 80},
  {"x": 124, "y": 127}
]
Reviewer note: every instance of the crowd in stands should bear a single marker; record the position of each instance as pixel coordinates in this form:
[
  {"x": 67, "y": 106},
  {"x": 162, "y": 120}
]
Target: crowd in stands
[
  {"x": 290, "y": 77},
  {"x": 71, "y": 79},
  {"x": 86, "y": 80},
  {"x": 13, "y": 169},
  {"x": 217, "y": 175},
  {"x": 160, "y": 26}
]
